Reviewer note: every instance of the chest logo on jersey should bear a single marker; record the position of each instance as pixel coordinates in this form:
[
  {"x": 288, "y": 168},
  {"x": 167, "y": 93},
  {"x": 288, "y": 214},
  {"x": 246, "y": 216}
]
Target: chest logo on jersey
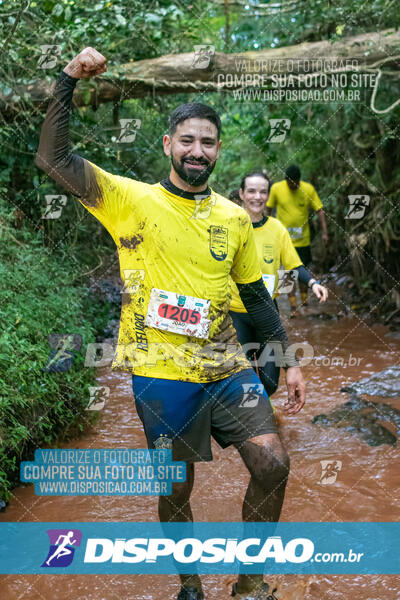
[
  {"x": 218, "y": 242},
  {"x": 268, "y": 254}
]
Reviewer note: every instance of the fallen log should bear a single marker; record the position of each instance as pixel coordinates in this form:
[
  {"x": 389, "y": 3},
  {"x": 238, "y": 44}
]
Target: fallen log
[{"x": 206, "y": 71}]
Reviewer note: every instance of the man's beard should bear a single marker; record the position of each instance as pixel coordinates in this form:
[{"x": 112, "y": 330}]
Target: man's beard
[{"x": 193, "y": 177}]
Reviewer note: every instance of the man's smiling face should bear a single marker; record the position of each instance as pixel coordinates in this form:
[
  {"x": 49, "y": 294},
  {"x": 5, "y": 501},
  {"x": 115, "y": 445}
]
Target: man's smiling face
[{"x": 194, "y": 149}]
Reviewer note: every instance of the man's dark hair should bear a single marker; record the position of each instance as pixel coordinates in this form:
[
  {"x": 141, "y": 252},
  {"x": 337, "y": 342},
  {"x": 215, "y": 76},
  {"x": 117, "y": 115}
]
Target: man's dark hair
[
  {"x": 259, "y": 173},
  {"x": 293, "y": 173},
  {"x": 193, "y": 110}
]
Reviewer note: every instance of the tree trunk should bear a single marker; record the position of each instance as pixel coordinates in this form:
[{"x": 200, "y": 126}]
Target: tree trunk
[{"x": 180, "y": 73}]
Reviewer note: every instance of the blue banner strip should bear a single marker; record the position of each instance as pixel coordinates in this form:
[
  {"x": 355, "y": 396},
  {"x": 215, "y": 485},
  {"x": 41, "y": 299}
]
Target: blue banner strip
[
  {"x": 205, "y": 548},
  {"x": 103, "y": 472}
]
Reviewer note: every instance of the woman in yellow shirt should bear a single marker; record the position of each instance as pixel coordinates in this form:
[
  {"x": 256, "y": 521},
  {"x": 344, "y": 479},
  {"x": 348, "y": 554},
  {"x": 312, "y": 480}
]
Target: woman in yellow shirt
[{"x": 275, "y": 248}]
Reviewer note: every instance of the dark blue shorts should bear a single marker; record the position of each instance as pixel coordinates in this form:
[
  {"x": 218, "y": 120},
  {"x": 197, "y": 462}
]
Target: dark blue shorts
[{"x": 184, "y": 415}]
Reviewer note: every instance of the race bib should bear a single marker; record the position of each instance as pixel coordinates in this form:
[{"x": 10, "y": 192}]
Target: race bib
[
  {"x": 295, "y": 232},
  {"x": 176, "y": 313},
  {"x": 269, "y": 282}
]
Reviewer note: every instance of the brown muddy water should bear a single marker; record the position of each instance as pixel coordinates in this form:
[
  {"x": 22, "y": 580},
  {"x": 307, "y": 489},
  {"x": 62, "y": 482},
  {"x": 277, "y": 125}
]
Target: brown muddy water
[{"x": 366, "y": 488}]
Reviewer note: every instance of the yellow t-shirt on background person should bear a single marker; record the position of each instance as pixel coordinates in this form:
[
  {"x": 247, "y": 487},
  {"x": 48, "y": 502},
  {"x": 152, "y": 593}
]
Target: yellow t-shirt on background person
[
  {"x": 293, "y": 208},
  {"x": 274, "y": 247},
  {"x": 176, "y": 257}
]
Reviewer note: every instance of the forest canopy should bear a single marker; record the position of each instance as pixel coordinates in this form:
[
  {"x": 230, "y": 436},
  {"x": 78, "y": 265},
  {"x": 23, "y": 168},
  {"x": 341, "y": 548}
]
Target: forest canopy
[{"x": 343, "y": 148}]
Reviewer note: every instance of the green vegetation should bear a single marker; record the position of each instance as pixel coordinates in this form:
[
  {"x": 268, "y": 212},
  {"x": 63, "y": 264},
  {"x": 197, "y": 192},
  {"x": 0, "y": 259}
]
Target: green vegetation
[
  {"x": 342, "y": 149},
  {"x": 38, "y": 298}
]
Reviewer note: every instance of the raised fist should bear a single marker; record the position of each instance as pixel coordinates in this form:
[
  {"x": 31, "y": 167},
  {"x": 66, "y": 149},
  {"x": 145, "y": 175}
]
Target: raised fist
[{"x": 87, "y": 63}]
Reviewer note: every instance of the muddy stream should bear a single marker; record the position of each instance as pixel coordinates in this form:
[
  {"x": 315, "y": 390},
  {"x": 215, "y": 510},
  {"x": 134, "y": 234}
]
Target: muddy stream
[{"x": 366, "y": 488}]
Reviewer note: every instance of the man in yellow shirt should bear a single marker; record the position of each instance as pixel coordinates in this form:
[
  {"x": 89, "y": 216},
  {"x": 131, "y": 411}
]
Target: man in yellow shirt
[
  {"x": 294, "y": 199},
  {"x": 178, "y": 244},
  {"x": 274, "y": 248}
]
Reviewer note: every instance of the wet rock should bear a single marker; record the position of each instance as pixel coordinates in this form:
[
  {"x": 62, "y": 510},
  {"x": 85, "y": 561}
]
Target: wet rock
[
  {"x": 393, "y": 334},
  {"x": 324, "y": 316},
  {"x": 343, "y": 280},
  {"x": 107, "y": 290},
  {"x": 111, "y": 331},
  {"x": 106, "y": 294},
  {"x": 386, "y": 383},
  {"x": 363, "y": 417}
]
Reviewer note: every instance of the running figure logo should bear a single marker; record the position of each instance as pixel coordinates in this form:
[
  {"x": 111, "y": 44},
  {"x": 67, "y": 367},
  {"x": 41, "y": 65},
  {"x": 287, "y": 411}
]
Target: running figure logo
[
  {"x": 287, "y": 280},
  {"x": 204, "y": 204},
  {"x": 61, "y": 551},
  {"x": 129, "y": 129},
  {"x": 62, "y": 351},
  {"x": 202, "y": 56},
  {"x": 357, "y": 207},
  {"x": 251, "y": 394},
  {"x": 279, "y": 129},
  {"x": 133, "y": 279},
  {"x": 330, "y": 470},
  {"x": 98, "y": 397},
  {"x": 48, "y": 58},
  {"x": 54, "y": 207}
]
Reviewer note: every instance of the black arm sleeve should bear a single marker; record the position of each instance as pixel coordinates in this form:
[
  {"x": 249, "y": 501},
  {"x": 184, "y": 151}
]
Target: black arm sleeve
[
  {"x": 264, "y": 314},
  {"x": 54, "y": 157},
  {"x": 304, "y": 274}
]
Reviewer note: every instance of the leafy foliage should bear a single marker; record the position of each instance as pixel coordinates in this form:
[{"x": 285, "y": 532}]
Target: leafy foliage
[
  {"x": 38, "y": 298},
  {"x": 342, "y": 149}
]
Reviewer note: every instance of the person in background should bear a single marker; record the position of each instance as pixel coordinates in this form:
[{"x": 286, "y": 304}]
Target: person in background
[
  {"x": 294, "y": 199},
  {"x": 274, "y": 248},
  {"x": 235, "y": 197}
]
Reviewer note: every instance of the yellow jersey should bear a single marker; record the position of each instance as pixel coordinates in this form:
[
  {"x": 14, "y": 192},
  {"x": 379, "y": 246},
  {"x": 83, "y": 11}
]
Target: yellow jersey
[
  {"x": 176, "y": 256},
  {"x": 275, "y": 248},
  {"x": 293, "y": 207}
]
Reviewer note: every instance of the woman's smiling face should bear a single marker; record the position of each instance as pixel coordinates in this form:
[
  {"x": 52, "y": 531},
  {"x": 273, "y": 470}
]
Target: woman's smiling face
[{"x": 255, "y": 194}]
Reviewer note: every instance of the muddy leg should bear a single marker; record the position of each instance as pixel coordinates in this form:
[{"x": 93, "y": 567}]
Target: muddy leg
[
  {"x": 176, "y": 508},
  {"x": 303, "y": 293},
  {"x": 293, "y": 299},
  {"x": 268, "y": 463}
]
